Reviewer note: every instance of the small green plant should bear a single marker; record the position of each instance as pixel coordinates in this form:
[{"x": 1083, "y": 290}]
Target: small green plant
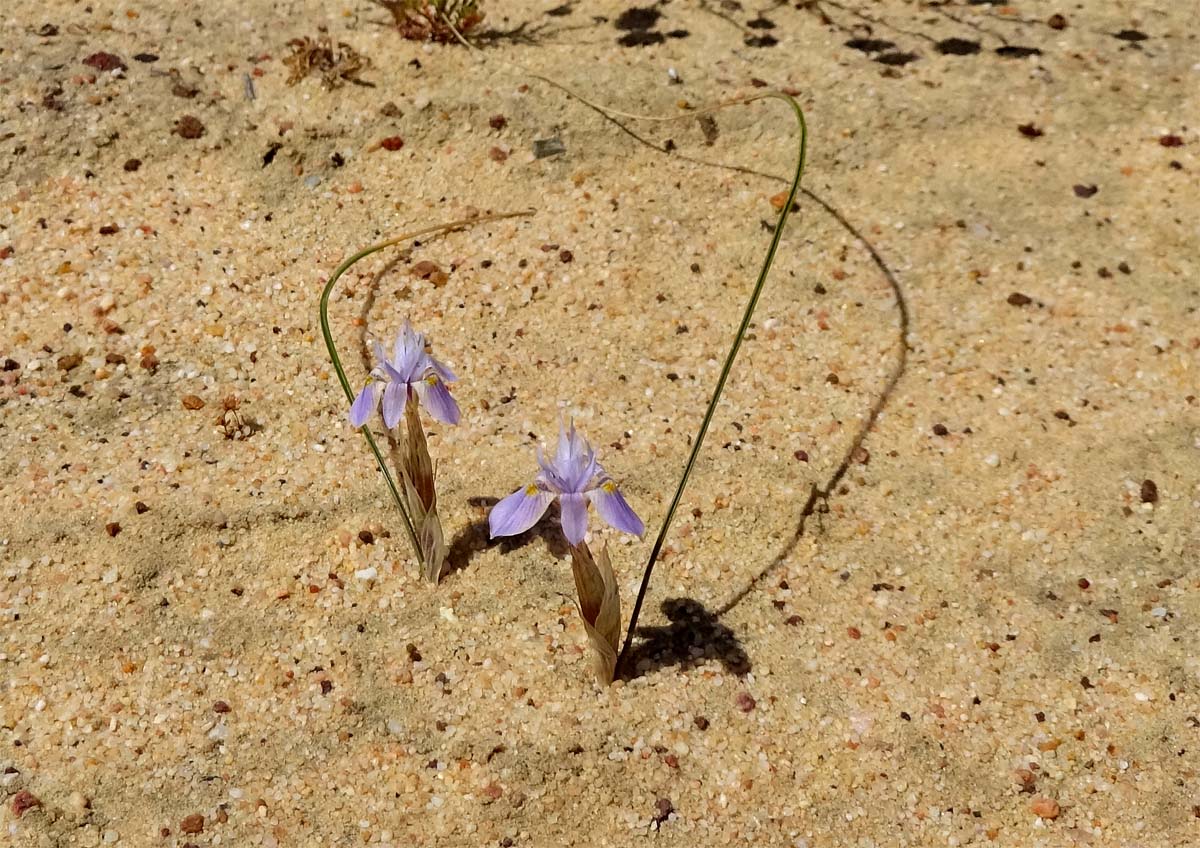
[{"x": 433, "y": 20}]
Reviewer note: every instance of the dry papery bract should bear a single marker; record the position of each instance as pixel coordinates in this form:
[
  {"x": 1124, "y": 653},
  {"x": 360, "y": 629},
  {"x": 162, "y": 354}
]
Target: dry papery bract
[
  {"x": 599, "y": 607},
  {"x": 335, "y": 65},
  {"x": 420, "y": 20}
]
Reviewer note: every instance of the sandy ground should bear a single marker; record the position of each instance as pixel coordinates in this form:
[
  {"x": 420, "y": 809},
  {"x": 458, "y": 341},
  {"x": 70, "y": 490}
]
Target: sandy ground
[{"x": 985, "y": 634}]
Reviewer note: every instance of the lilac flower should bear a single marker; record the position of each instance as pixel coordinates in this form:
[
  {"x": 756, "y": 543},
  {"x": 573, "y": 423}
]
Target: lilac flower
[
  {"x": 575, "y": 478},
  {"x": 394, "y": 381}
]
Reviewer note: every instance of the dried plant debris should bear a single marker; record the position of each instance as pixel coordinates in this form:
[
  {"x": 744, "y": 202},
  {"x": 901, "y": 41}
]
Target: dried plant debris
[
  {"x": 335, "y": 65},
  {"x": 599, "y": 607},
  {"x": 433, "y": 20}
]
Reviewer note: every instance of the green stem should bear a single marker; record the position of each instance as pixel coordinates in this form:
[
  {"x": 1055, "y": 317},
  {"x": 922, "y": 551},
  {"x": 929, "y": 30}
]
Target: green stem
[
  {"x": 337, "y": 362},
  {"x": 724, "y": 377},
  {"x": 341, "y": 374}
]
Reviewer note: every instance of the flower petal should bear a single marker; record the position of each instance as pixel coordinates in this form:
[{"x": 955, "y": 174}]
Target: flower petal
[
  {"x": 574, "y": 464},
  {"x": 394, "y": 398},
  {"x": 549, "y": 477},
  {"x": 574, "y": 517},
  {"x": 613, "y": 508},
  {"x": 364, "y": 404},
  {"x": 408, "y": 354},
  {"x": 518, "y": 512},
  {"x": 442, "y": 370},
  {"x": 437, "y": 399}
]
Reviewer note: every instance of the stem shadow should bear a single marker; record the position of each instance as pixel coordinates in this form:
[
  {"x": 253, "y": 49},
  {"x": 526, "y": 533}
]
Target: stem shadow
[{"x": 821, "y": 494}]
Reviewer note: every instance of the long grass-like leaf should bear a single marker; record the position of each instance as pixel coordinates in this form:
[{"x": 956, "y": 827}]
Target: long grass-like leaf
[
  {"x": 747, "y": 315},
  {"x": 327, "y": 334}
]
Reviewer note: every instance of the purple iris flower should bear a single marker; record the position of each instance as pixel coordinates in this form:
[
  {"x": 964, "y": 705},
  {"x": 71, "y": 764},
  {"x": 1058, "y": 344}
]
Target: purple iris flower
[
  {"x": 574, "y": 477},
  {"x": 394, "y": 381}
]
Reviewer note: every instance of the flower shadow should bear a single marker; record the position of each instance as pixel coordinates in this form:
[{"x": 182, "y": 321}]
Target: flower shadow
[
  {"x": 474, "y": 538},
  {"x": 694, "y": 637}
]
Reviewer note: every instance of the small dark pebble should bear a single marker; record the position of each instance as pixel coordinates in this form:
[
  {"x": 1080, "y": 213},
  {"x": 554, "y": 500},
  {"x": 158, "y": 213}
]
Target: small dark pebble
[
  {"x": 637, "y": 19},
  {"x": 105, "y": 61},
  {"x": 1130, "y": 35},
  {"x": 1124, "y": 268},
  {"x": 392, "y": 143},
  {"x": 745, "y": 702},
  {"x": 940, "y": 430},
  {"x": 662, "y": 810},
  {"x": 905, "y": 716},
  {"x": 189, "y": 126},
  {"x": 896, "y": 59},
  {"x": 1062, "y": 415},
  {"x": 11, "y": 365},
  {"x": 1015, "y": 51},
  {"x": 1085, "y": 683},
  {"x": 132, "y": 165},
  {"x": 366, "y": 537},
  {"x": 640, "y": 38},
  {"x": 1030, "y": 130},
  {"x": 272, "y": 150},
  {"x": 48, "y": 31},
  {"x": 221, "y": 707},
  {"x": 23, "y": 802},
  {"x": 140, "y": 508},
  {"x": 1083, "y": 583},
  {"x": 1086, "y": 191},
  {"x": 69, "y": 362},
  {"x": 326, "y": 687},
  {"x": 145, "y": 57},
  {"x": 1103, "y": 273},
  {"x": 957, "y": 47},
  {"x": 112, "y": 528},
  {"x": 109, "y": 229},
  {"x": 1018, "y": 299},
  {"x": 497, "y": 122},
  {"x": 1056, "y": 22},
  {"x": 566, "y": 256},
  {"x": 1171, "y": 141},
  {"x": 794, "y": 621},
  {"x": 801, "y": 456},
  {"x": 701, "y": 723},
  {"x": 819, "y": 289},
  {"x": 870, "y": 45},
  {"x": 695, "y": 269},
  {"x": 544, "y": 147},
  {"x": 1149, "y": 492}
]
